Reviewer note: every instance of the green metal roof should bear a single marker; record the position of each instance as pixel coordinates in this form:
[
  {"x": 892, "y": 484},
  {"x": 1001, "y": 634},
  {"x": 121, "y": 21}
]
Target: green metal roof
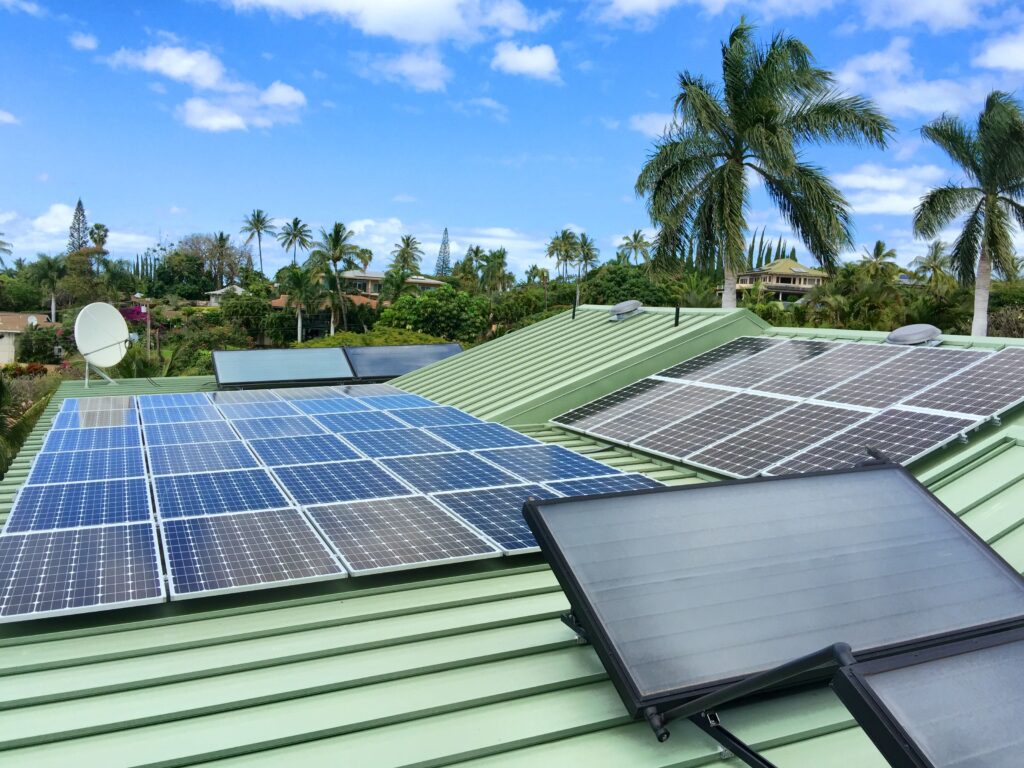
[{"x": 466, "y": 665}]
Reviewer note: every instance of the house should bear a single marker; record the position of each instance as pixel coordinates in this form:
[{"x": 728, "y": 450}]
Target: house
[
  {"x": 216, "y": 296},
  {"x": 12, "y": 325},
  {"x": 368, "y": 284},
  {"x": 786, "y": 278},
  {"x": 467, "y": 665}
]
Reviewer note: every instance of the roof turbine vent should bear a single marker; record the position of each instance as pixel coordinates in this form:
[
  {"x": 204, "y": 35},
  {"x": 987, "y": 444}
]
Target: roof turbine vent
[
  {"x": 625, "y": 310},
  {"x": 918, "y": 335}
]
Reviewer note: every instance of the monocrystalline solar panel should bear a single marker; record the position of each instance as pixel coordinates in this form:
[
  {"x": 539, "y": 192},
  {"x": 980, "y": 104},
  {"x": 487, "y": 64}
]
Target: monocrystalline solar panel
[
  {"x": 177, "y": 414},
  {"x": 721, "y": 357},
  {"x": 92, "y": 439},
  {"x": 111, "y": 403},
  {"x": 330, "y": 405},
  {"x": 188, "y": 432},
  {"x": 469, "y": 437},
  {"x": 306, "y": 449},
  {"x": 204, "y": 457},
  {"x": 393, "y": 534},
  {"x": 391, "y": 361},
  {"x": 277, "y": 426},
  {"x": 592, "y": 486},
  {"x": 52, "y": 573},
  {"x": 86, "y": 465},
  {"x": 306, "y": 393},
  {"x": 272, "y": 366},
  {"x": 434, "y": 417},
  {"x": 498, "y": 513},
  {"x": 776, "y": 360},
  {"x": 395, "y": 442},
  {"x": 819, "y": 374},
  {"x": 368, "y": 390},
  {"x": 214, "y": 493},
  {"x": 74, "y": 505},
  {"x": 363, "y": 421},
  {"x": 867, "y": 557},
  {"x": 395, "y": 402},
  {"x": 612, "y": 405},
  {"x": 231, "y": 396},
  {"x": 173, "y": 400},
  {"x": 338, "y": 481},
  {"x": 258, "y": 410},
  {"x": 680, "y": 402},
  {"x": 538, "y": 463},
  {"x": 447, "y": 472},
  {"x": 92, "y": 419},
  {"x": 250, "y": 550},
  {"x": 988, "y": 388}
]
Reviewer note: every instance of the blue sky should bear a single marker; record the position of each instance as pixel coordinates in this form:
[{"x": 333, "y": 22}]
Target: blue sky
[{"x": 503, "y": 120}]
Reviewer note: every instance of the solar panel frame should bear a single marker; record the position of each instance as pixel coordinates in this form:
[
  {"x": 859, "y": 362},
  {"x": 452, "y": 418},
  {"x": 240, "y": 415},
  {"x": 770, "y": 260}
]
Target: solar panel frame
[
  {"x": 614, "y": 404},
  {"x": 233, "y": 396},
  {"x": 685, "y": 401},
  {"x": 368, "y": 390},
  {"x": 387, "y": 362},
  {"x": 277, "y": 366},
  {"x": 75, "y": 505},
  {"x": 306, "y": 393}
]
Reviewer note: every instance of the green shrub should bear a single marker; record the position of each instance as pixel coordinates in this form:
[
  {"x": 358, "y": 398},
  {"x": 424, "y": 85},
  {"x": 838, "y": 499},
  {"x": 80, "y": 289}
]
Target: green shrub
[
  {"x": 379, "y": 336},
  {"x": 36, "y": 345},
  {"x": 443, "y": 312}
]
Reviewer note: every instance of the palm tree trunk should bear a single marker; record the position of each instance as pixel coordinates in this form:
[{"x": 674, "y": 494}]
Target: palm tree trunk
[
  {"x": 729, "y": 288},
  {"x": 53, "y": 307},
  {"x": 341, "y": 299},
  {"x": 982, "y": 285},
  {"x": 259, "y": 245},
  {"x": 298, "y": 332}
]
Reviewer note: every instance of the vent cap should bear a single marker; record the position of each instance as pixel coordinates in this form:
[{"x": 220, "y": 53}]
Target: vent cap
[
  {"x": 625, "y": 310},
  {"x": 919, "y": 334}
]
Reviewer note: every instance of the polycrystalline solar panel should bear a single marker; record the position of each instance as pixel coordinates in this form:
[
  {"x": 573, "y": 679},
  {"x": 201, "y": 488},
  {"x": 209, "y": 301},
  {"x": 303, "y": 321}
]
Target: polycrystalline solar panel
[
  {"x": 394, "y": 402},
  {"x": 393, "y": 534},
  {"x": 897, "y": 434},
  {"x": 188, "y": 432},
  {"x": 343, "y": 423},
  {"x": 232, "y": 396},
  {"x": 469, "y": 437},
  {"x": 204, "y": 457},
  {"x": 92, "y": 419},
  {"x": 174, "y": 400},
  {"x": 537, "y": 463},
  {"x": 388, "y": 362},
  {"x": 92, "y": 439},
  {"x": 902, "y": 377},
  {"x": 258, "y": 410},
  {"x": 992, "y": 386},
  {"x": 750, "y": 452},
  {"x": 330, "y": 405},
  {"x": 701, "y": 430},
  {"x": 51, "y": 573},
  {"x": 368, "y": 390},
  {"x": 592, "y": 486},
  {"x": 250, "y": 550},
  {"x": 447, "y": 472},
  {"x": 720, "y": 357},
  {"x": 306, "y": 449},
  {"x": 395, "y": 442},
  {"x": 498, "y": 513},
  {"x": 610, "y": 406},
  {"x": 681, "y": 401},
  {"x": 179, "y": 414},
  {"x": 214, "y": 493},
  {"x": 87, "y": 465},
  {"x": 821, "y": 373},
  {"x": 277, "y": 426},
  {"x": 776, "y": 360},
  {"x": 306, "y": 393},
  {"x": 434, "y": 417},
  {"x": 112, "y": 403},
  {"x": 869, "y": 558},
  {"x": 73, "y": 505},
  {"x": 338, "y": 481}
]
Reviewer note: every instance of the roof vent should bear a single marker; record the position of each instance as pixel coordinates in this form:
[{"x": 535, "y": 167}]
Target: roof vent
[
  {"x": 920, "y": 334},
  {"x": 625, "y": 310}
]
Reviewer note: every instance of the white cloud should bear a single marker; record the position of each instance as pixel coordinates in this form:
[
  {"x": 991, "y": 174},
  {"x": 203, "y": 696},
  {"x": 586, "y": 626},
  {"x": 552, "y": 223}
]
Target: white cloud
[
  {"x": 935, "y": 14},
  {"x": 538, "y": 61},
  {"x": 482, "y": 105},
  {"x": 81, "y": 41},
  {"x": 23, "y": 6},
  {"x": 6, "y": 118},
  {"x": 1006, "y": 52},
  {"x": 200, "y": 69},
  {"x": 280, "y": 94},
  {"x": 175, "y": 210},
  {"x": 402, "y": 197},
  {"x": 422, "y": 70},
  {"x": 879, "y": 189},
  {"x": 48, "y": 233},
  {"x": 652, "y": 124},
  {"x": 57, "y": 218},
  {"x": 205, "y": 116}
]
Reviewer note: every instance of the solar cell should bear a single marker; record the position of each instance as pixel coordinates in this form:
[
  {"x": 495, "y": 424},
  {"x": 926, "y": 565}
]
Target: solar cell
[
  {"x": 243, "y": 396},
  {"x": 213, "y": 493},
  {"x": 776, "y": 360},
  {"x": 395, "y": 442},
  {"x": 258, "y": 410},
  {"x": 498, "y": 513},
  {"x": 92, "y": 439},
  {"x": 91, "y": 419},
  {"x": 250, "y": 550},
  {"x": 173, "y": 400},
  {"x": 111, "y": 403},
  {"x": 306, "y": 393},
  {"x": 343, "y": 423},
  {"x": 821, "y": 373},
  {"x": 52, "y": 573},
  {"x": 330, "y": 405},
  {"x": 338, "y": 481},
  {"x": 899, "y": 435},
  {"x": 447, "y": 472},
  {"x": 393, "y": 402},
  {"x": 434, "y": 417},
  {"x": 204, "y": 457},
  {"x": 307, "y": 449},
  {"x": 680, "y": 402},
  {"x": 537, "y": 463},
  {"x": 73, "y": 505},
  {"x": 188, "y": 432},
  {"x": 720, "y": 357},
  {"x": 470, "y": 437},
  {"x": 368, "y": 390},
  {"x": 393, "y": 534},
  {"x": 750, "y": 452},
  {"x": 179, "y": 414},
  {"x": 612, "y": 405},
  {"x": 591, "y": 486},
  {"x": 86, "y": 465},
  {"x": 277, "y": 426},
  {"x": 986, "y": 389}
]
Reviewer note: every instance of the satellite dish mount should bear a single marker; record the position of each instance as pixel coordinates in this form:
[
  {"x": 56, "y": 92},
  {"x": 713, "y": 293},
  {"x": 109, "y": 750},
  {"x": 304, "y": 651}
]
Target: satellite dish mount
[{"x": 102, "y": 336}]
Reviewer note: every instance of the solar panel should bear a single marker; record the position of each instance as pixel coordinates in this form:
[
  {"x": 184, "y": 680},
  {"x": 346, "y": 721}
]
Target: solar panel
[
  {"x": 258, "y": 410},
  {"x": 251, "y": 550},
  {"x": 179, "y": 414},
  {"x": 86, "y": 465},
  {"x": 307, "y": 449},
  {"x": 498, "y": 513},
  {"x": 395, "y": 442},
  {"x": 393, "y": 534},
  {"x": 447, "y": 472},
  {"x": 368, "y": 390},
  {"x": 204, "y": 457},
  {"x": 277, "y": 426},
  {"x": 434, "y": 417},
  {"x": 91, "y": 419},
  {"x": 188, "y": 432},
  {"x": 213, "y": 493},
  {"x": 750, "y": 452},
  {"x": 685, "y": 589},
  {"x": 470, "y": 437},
  {"x": 592, "y": 486},
  {"x": 112, "y": 403},
  {"x": 388, "y": 362},
  {"x": 330, "y": 405},
  {"x": 680, "y": 402},
  {"x": 342, "y": 423},
  {"x": 338, "y": 481},
  {"x": 614, "y": 404},
  {"x": 721, "y": 357},
  {"x": 271, "y": 366},
  {"x": 243, "y": 396},
  {"x": 306, "y": 393},
  {"x": 73, "y": 505},
  {"x": 394, "y": 402},
  {"x": 776, "y": 360},
  {"x": 989, "y": 388},
  {"x": 901, "y": 436},
  {"x": 537, "y": 463},
  {"x": 53, "y": 573},
  {"x": 173, "y": 400},
  {"x": 92, "y": 439},
  {"x": 821, "y": 373}
]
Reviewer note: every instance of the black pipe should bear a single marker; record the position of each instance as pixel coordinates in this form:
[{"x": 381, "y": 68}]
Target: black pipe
[{"x": 677, "y": 315}]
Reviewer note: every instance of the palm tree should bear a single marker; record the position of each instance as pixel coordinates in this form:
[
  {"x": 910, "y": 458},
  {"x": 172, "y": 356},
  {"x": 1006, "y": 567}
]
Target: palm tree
[
  {"x": 563, "y": 248},
  {"x": 991, "y": 157},
  {"x": 879, "y": 261},
  {"x": 5, "y": 250},
  {"x": 48, "y": 271},
  {"x": 635, "y": 246},
  {"x": 933, "y": 268},
  {"x": 305, "y": 290},
  {"x": 587, "y": 254},
  {"x": 406, "y": 255},
  {"x": 99, "y": 233},
  {"x": 364, "y": 256},
  {"x": 295, "y": 234},
  {"x": 494, "y": 271},
  {"x": 336, "y": 247},
  {"x": 773, "y": 100},
  {"x": 257, "y": 224}
]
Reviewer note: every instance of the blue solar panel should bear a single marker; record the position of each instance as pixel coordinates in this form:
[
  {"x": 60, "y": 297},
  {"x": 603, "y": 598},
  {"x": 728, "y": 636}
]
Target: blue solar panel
[
  {"x": 214, "y": 493},
  {"x": 243, "y": 396},
  {"x": 249, "y": 550},
  {"x": 277, "y": 426},
  {"x": 179, "y": 414},
  {"x": 71, "y": 505},
  {"x": 92, "y": 439},
  {"x": 174, "y": 400},
  {"x": 447, "y": 472},
  {"x": 258, "y": 410},
  {"x": 538, "y": 463},
  {"x": 338, "y": 481},
  {"x": 498, "y": 513},
  {"x": 86, "y": 465},
  {"x": 306, "y": 393},
  {"x": 470, "y": 437},
  {"x": 395, "y": 442},
  {"x": 204, "y": 457},
  {"x": 308, "y": 449},
  {"x": 363, "y": 421},
  {"x": 80, "y": 569},
  {"x": 435, "y": 417},
  {"x": 110, "y": 403},
  {"x": 189, "y": 432},
  {"x": 330, "y": 405},
  {"x": 391, "y": 402},
  {"x": 608, "y": 484},
  {"x": 93, "y": 419}
]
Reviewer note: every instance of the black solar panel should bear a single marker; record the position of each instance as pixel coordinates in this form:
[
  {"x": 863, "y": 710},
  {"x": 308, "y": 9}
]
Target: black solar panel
[
  {"x": 778, "y": 359},
  {"x": 817, "y": 375},
  {"x": 721, "y": 357},
  {"x": 611, "y": 405},
  {"x": 681, "y": 402},
  {"x": 391, "y": 361},
  {"x": 992, "y": 386}
]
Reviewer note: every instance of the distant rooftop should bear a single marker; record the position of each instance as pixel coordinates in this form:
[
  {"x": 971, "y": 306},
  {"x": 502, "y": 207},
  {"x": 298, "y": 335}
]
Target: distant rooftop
[{"x": 787, "y": 267}]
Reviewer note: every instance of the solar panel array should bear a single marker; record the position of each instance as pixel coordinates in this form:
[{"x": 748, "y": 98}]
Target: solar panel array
[
  {"x": 770, "y": 406},
  {"x": 136, "y": 499}
]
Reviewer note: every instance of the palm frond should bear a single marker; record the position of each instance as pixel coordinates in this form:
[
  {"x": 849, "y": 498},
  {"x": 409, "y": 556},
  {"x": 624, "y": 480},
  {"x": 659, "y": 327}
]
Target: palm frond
[
  {"x": 968, "y": 245},
  {"x": 834, "y": 117},
  {"x": 941, "y": 206}
]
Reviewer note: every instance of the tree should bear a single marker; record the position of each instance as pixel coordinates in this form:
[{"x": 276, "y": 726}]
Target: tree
[
  {"x": 406, "y": 255},
  {"x": 78, "y": 234},
  {"x": 587, "y": 254},
  {"x": 991, "y": 157},
  {"x": 494, "y": 271},
  {"x": 443, "y": 267},
  {"x": 933, "y": 268},
  {"x": 636, "y": 247},
  {"x": 879, "y": 262},
  {"x": 304, "y": 288},
  {"x": 5, "y": 250},
  {"x": 772, "y": 101},
  {"x": 98, "y": 234},
  {"x": 257, "y": 224},
  {"x": 563, "y": 248},
  {"x": 445, "y": 312},
  {"x": 364, "y": 256},
  {"x": 47, "y": 271},
  {"x": 295, "y": 234},
  {"x": 336, "y": 248}
]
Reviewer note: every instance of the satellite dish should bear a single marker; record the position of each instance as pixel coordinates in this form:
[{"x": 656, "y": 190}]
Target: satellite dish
[
  {"x": 31, "y": 321},
  {"x": 101, "y": 335}
]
